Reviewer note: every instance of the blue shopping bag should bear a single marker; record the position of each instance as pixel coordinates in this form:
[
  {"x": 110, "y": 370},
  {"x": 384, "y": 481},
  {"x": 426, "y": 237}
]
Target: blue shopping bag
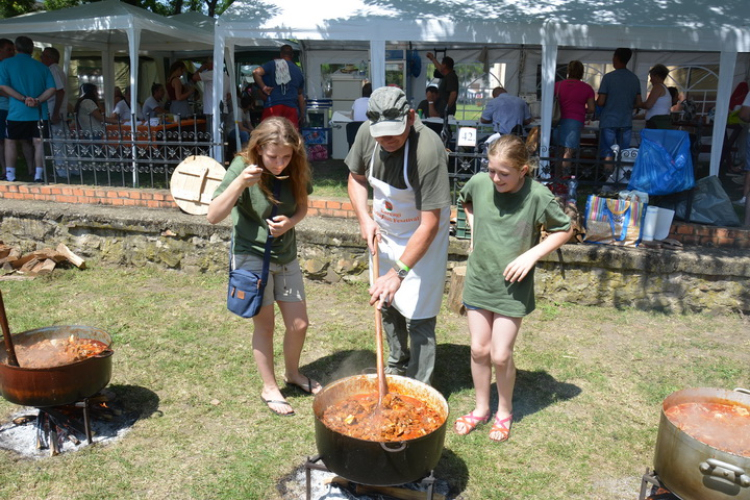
[{"x": 664, "y": 164}]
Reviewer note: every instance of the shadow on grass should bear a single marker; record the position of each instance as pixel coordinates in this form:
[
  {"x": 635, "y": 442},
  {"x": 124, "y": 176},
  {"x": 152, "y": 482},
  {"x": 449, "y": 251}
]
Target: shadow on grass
[
  {"x": 340, "y": 364},
  {"x": 533, "y": 392}
]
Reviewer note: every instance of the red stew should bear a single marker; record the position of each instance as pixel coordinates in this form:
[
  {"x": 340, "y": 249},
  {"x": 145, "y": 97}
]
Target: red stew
[
  {"x": 49, "y": 353},
  {"x": 724, "y": 426},
  {"x": 398, "y": 418}
]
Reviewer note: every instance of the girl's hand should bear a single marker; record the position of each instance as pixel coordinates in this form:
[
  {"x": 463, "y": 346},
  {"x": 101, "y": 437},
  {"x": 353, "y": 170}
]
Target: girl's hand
[
  {"x": 279, "y": 225},
  {"x": 250, "y": 176},
  {"x": 520, "y": 267}
]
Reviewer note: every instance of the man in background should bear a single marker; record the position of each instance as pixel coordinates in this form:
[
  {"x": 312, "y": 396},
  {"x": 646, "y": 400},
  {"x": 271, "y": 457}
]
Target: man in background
[
  {"x": 7, "y": 49},
  {"x": 619, "y": 94},
  {"x": 152, "y": 108},
  {"x": 27, "y": 83},
  {"x": 56, "y": 107},
  {"x": 448, "y": 88},
  {"x": 432, "y": 106},
  {"x": 507, "y": 113},
  {"x": 284, "y": 85}
]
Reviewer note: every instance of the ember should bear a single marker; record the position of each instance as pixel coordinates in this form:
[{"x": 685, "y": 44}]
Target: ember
[
  {"x": 398, "y": 418},
  {"x": 49, "y": 353},
  {"x": 722, "y": 426}
]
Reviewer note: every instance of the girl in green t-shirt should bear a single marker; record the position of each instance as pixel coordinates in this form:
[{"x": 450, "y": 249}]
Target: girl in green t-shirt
[
  {"x": 274, "y": 155},
  {"x": 506, "y": 211}
]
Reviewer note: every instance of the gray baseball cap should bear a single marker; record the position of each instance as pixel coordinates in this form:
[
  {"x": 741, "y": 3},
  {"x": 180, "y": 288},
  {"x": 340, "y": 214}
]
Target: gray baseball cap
[{"x": 387, "y": 111}]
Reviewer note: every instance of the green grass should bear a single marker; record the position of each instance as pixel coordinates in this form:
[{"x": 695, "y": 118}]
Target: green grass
[{"x": 587, "y": 398}]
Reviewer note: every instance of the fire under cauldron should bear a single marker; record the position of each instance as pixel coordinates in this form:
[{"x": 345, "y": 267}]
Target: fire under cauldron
[{"x": 379, "y": 463}]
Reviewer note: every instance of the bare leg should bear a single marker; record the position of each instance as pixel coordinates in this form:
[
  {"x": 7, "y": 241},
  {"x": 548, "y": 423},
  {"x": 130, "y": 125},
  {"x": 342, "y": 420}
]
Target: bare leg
[
  {"x": 480, "y": 329},
  {"x": 29, "y": 155},
  {"x": 38, "y": 158},
  {"x": 504, "y": 333},
  {"x": 263, "y": 352},
  {"x": 296, "y": 323},
  {"x": 10, "y": 159}
]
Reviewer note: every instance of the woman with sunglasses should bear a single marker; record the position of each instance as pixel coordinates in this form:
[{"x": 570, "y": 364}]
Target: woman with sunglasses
[{"x": 275, "y": 160}]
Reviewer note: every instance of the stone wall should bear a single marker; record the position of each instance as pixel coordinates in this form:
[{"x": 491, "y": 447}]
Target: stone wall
[{"x": 693, "y": 279}]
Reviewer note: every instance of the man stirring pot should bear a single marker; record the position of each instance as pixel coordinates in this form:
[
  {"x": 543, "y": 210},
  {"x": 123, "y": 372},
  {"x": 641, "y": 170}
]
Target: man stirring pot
[{"x": 406, "y": 165}]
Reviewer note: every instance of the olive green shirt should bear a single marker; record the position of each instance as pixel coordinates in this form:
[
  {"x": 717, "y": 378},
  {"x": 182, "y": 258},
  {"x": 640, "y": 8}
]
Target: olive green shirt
[
  {"x": 427, "y": 170},
  {"x": 251, "y": 211},
  {"x": 505, "y": 225}
]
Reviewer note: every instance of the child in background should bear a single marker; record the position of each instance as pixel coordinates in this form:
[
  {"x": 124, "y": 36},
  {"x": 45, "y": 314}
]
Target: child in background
[{"x": 506, "y": 211}]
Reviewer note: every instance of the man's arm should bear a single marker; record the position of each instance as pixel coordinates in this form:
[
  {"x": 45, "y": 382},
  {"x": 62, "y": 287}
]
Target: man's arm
[
  {"x": 601, "y": 99},
  {"x": 258, "y": 74},
  {"x": 388, "y": 284}
]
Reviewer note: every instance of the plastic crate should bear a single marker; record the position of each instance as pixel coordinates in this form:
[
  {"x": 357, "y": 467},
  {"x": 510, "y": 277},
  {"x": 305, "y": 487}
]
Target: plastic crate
[{"x": 463, "y": 231}]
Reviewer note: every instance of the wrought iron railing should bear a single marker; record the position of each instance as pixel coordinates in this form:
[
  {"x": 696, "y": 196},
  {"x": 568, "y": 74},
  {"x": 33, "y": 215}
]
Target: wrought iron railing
[{"x": 114, "y": 157}]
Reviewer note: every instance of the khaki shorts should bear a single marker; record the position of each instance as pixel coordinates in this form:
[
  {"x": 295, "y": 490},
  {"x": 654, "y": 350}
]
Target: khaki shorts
[{"x": 285, "y": 282}]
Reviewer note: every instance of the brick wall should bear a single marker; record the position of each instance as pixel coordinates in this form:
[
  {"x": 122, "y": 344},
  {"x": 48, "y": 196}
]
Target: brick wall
[{"x": 689, "y": 234}]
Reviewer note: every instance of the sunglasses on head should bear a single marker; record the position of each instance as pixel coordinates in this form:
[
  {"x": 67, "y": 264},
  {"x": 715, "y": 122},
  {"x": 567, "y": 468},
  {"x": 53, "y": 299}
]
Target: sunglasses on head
[{"x": 388, "y": 114}]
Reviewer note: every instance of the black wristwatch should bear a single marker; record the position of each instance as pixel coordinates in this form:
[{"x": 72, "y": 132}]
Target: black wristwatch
[{"x": 401, "y": 273}]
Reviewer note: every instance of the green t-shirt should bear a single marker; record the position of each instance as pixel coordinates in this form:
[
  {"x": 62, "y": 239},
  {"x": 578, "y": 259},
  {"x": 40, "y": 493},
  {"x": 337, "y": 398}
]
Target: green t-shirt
[
  {"x": 250, "y": 213},
  {"x": 428, "y": 165},
  {"x": 505, "y": 226}
]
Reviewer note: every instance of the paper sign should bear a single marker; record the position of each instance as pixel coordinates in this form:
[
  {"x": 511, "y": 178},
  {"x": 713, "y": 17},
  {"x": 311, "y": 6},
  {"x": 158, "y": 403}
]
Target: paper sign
[{"x": 467, "y": 137}]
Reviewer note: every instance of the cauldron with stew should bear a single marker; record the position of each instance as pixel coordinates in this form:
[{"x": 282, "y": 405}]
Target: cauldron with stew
[
  {"x": 703, "y": 444},
  {"x": 394, "y": 459},
  {"x": 59, "y": 365}
]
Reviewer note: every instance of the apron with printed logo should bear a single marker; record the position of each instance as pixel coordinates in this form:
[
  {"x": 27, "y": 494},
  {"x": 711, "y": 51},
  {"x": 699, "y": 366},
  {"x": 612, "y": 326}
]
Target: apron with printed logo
[{"x": 395, "y": 212}]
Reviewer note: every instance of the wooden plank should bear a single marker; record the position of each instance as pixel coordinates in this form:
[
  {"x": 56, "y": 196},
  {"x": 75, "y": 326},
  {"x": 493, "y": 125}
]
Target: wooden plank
[
  {"x": 72, "y": 258},
  {"x": 29, "y": 265},
  {"x": 45, "y": 267}
]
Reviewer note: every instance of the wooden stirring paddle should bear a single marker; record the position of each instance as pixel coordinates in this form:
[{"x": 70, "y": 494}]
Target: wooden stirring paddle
[
  {"x": 9, "y": 348},
  {"x": 382, "y": 385}
]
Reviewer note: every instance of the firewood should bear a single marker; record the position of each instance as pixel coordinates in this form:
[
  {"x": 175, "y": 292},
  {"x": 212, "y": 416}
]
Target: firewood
[
  {"x": 28, "y": 265},
  {"x": 72, "y": 258},
  {"x": 456, "y": 291},
  {"x": 44, "y": 267}
]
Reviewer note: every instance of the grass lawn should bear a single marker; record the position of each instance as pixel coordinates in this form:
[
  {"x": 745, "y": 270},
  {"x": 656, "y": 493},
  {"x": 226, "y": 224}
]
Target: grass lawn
[{"x": 587, "y": 400}]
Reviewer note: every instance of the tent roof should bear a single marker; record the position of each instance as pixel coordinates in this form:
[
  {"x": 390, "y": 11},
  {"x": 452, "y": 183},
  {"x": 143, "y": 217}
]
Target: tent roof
[
  {"x": 102, "y": 25},
  {"x": 646, "y": 24}
]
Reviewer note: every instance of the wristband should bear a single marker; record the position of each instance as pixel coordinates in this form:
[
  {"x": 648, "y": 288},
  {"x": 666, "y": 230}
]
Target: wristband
[{"x": 402, "y": 266}]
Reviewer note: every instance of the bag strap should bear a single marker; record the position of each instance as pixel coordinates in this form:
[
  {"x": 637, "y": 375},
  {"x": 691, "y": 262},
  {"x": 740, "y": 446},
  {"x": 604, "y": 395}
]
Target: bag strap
[{"x": 269, "y": 239}]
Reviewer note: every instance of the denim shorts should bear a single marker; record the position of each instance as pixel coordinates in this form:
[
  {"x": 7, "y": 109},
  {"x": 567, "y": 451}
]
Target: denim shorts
[
  {"x": 616, "y": 135},
  {"x": 285, "y": 282},
  {"x": 568, "y": 133}
]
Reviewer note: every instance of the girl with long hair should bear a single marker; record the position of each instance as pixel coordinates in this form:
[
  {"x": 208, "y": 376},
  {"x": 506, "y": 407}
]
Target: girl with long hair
[{"x": 275, "y": 155}]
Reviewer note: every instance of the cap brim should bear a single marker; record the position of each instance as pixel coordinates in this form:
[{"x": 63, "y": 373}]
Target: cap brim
[{"x": 388, "y": 127}]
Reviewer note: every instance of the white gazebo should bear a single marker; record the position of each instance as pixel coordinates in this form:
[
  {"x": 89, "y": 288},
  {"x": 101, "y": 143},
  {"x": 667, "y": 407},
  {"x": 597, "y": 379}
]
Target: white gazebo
[{"x": 669, "y": 26}]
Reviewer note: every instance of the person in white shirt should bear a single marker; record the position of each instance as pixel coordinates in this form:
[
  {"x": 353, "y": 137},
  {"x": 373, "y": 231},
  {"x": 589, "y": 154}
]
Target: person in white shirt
[
  {"x": 123, "y": 110},
  {"x": 359, "y": 107},
  {"x": 57, "y": 107},
  {"x": 152, "y": 108}
]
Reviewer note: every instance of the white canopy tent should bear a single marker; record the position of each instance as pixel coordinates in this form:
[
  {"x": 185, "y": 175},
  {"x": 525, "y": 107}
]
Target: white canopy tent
[
  {"x": 551, "y": 28},
  {"x": 110, "y": 27}
]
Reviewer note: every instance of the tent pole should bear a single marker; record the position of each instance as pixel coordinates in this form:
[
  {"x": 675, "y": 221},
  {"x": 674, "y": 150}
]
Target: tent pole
[
  {"x": 727, "y": 62},
  {"x": 549, "y": 63},
  {"x": 134, "y": 41}
]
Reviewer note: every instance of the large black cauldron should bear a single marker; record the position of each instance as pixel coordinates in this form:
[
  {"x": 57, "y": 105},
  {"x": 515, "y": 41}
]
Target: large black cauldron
[{"x": 379, "y": 463}]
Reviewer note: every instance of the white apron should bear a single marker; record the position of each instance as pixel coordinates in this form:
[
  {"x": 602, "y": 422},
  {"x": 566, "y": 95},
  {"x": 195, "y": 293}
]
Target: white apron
[{"x": 395, "y": 212}]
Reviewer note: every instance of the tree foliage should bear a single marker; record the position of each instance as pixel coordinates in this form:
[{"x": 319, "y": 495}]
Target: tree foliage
[{"x": 213, "y": 8}]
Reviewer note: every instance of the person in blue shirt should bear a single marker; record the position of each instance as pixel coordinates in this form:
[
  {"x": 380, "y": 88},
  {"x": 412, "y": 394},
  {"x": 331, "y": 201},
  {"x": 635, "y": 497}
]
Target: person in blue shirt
[
  {"x": 284, "y": 85},
  {"x": 27, "y": 83},
  {"x": 619, "y": 94}
]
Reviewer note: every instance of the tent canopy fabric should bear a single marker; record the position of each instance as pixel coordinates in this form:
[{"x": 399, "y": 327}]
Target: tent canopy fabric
[
  {"x": 645, "y": 24},
  {"x": 104, "y": 26},
  {"x": 666, "y": 25}
]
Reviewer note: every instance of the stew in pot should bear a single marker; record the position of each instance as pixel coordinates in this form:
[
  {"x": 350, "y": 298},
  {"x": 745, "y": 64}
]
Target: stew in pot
[
  {"x": 49, "y": 353},
  {"x": 723, "y": 426},
  {"x": 398, "y": 418}
]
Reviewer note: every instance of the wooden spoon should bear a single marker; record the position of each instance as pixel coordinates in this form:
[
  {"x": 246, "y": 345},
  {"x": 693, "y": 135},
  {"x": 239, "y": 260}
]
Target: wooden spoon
[
  {"x": 9, "y": 348},
  {"x": 382, "y": 385}
]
